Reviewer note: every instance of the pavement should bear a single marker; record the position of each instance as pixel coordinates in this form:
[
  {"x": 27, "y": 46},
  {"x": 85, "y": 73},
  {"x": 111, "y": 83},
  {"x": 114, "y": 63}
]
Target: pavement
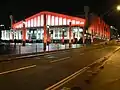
[
  {"x": 41, "y": 72},
  {"x": 28, "y": 55},
  {"x": 32, "y": 48}
]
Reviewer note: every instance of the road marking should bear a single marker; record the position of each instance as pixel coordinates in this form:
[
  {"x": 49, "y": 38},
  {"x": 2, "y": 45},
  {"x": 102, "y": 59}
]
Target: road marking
[
  {"x": 81, "y": 53},
  {"x": 15, "y": 70},
  {"x": 67, "y": 79},
  {"x": 28, "y": 56},
  {"x": 74, "y": 75},
  {"x": 59, "y": 59},
  {"x": 62, "y": 82}
]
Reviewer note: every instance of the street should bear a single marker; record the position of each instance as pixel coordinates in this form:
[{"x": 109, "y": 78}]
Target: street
[{"x": 41, "y": 72}]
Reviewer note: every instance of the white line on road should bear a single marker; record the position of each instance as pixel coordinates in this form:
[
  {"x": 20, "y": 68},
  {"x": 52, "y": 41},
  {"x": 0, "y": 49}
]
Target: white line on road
[
  {"x": 62, "y": 82},
  {"x": 28, "y": 56},
  {"x": 59, "y": 59},
  {"x": 15, "y": 70},
  {"x": 74, "y": 75},
  {"x": 81, "y": 53}
]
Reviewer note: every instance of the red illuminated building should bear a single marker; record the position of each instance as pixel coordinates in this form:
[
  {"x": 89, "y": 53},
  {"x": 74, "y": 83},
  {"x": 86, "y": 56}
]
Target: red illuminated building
[{"x": 47, "y": 26}]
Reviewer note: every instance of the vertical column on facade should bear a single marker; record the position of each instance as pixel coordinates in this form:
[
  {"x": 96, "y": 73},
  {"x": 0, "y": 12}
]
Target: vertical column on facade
[
  {"x": 39, "y": 25},
  {"x": 102, "y": 26},
  {"x": 5, "y": 34},
  {"x": 60, "y": 28},
  {"x": 92, "y": 35},
  {"x": 54, "y": 21},
  {"x": 104, "y": 29},
  {"x": 62, "y": 20},
  {"x": 48, "y": 30},
  {"x": 96, "y": 28},
  {"x": 63, "y": 37},
  {"x": 45, "y": 33},
  {"x": 24, "y": 34},
  {"x": 51, "y": 20},
  {"x": 70, "y": 34},
  {"x": 100, "y": 30},
  {"x": 58, "y": 21}
]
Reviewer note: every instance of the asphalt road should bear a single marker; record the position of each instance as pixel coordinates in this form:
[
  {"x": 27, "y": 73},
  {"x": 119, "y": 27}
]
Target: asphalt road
[{"x": 41, "y": 72}]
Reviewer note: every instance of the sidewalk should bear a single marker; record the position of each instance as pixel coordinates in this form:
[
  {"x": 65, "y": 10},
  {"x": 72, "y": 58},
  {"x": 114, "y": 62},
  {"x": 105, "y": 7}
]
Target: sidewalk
[
  {"x": 109, "y": 77},
  {"x": 19, "y": 56}
]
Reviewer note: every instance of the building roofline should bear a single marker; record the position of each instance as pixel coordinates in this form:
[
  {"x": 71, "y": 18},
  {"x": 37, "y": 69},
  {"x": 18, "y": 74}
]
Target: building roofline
[{"x": 49, "y": 12}]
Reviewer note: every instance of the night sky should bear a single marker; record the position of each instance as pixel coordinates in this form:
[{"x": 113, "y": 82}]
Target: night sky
[{"x": 21, "y": 9}]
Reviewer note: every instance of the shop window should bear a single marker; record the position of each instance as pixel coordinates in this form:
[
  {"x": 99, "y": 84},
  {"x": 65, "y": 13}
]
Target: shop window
[
  {"x": 56, "y": 33},
  {"x": 65, "y": 34}
]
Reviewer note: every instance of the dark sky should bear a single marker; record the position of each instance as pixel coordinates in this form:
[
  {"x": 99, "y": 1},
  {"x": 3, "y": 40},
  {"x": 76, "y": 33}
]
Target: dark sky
[{"x": 25, "y": 8}]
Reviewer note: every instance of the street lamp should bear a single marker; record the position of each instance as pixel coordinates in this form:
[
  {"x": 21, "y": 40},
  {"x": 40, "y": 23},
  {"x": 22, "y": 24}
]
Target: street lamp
[{"x": 118, "y": 7}]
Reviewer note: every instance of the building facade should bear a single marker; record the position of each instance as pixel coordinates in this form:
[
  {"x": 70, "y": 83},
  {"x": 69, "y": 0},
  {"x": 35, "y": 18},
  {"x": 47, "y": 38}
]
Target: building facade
[{"x": 56, "y": 24}]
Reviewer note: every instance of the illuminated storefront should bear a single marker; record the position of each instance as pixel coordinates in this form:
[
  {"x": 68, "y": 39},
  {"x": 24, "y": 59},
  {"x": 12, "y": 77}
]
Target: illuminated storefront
[{"x": 56, "y": 24}]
